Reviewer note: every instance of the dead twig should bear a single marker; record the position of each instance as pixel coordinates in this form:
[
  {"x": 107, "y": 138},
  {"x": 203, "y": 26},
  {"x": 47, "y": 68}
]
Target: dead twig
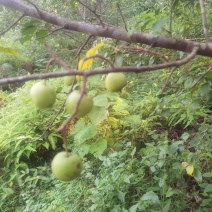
[{"x": 167, "y": 80}]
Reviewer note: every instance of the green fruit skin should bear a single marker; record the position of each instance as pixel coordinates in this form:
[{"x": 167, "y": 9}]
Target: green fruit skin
[
  {"x": 66, "y": 166},
  {"x": 68, "y": 80},
  {"x": 85, "y": 105},
  {"x": 114, "y": 82},
  {"x": 43, "y": 94}
]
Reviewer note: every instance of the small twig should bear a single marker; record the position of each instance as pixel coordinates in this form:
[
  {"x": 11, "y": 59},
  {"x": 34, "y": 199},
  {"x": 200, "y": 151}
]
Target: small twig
[
  {"x": 167, "y": 80},
  {"x": 94, "y": 12},
  {"x": 101, "y": 57},
  {"x": 204, "y": 21},
  {"x": 201, "y": 77},
  {"x": 52, "y": 32},
  {"x": 8, "y": 28},
  {"x": 48, "y": 64},
  {"x": 135, "y": 48},
  {"x": 34, "y": 6},
  {"x": 122, "y": 17},
  {"x": 83, "y": 90},
  {"x": 81, "y": 48},
  {"x": 56, "y": 58}
]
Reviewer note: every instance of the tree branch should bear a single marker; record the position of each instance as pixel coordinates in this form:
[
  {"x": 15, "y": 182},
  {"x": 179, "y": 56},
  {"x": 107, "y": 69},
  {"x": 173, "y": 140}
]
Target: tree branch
[
  {"x": 204, "y": 21},
  {"x": 110, "y": 31},
  {"x": 83, "y": 90},
  {"x": 101, "y": 71},
  {"x": 12, "y": 25}
]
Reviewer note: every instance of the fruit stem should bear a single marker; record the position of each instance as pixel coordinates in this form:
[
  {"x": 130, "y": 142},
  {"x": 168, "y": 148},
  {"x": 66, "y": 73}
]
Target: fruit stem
[{"x": 65, "y": 144}]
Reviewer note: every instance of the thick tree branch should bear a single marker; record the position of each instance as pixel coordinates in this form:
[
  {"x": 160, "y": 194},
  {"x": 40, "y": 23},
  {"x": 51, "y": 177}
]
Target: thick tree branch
[
  {"x": 110, "y": 31},
  {"x": 102, "y": 71}
]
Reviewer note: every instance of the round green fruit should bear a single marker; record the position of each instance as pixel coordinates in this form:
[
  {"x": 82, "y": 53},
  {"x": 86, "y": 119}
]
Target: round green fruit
[
  {"x": 66, "y": 166},
  {"x": 85, "y": 105},
  {"x": 115, "y": 82},
  {"x": 43, "y": 94},
  {"x": 68, "y": 80}
]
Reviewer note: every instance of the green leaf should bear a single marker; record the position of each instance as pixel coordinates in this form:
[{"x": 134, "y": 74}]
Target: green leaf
[
  {"x": 189, "y": 83},
  {"x": 85, "y": 133},
  {"x": 98, "y": 147},
  {"x": 133, "y": 152},
  {"x": 121, "y": 196},
  {"x": 78, "y": 127},
  {"x": 25, "y": 39},
  {"x": 197, "y": 175},
  {"x": 158, "y": 25},
  {"x": 150, "y": 195},
  {"x": 134, "y": 207},
  {"x": 52, "y": 140},
  {"x": 170, "y": 192},
  {"x": 209, "y": 75},
  {"x": 41, "y": 35},
  {"x": 30, "y": 30},
  {"x": 97, "y": 115},
  {"x": 132, "y": 120},
  {"x": 165, "y": 113},
  {"x": 167, "y": 205},
  {"x": 84, "y": 149},
  {"x": 208, "y": 188},
  {"x": 101, "y": 101},
  {"x": 207, "y": 174},
  {"x": 8, "y": 191},
  {"x": 206, "y": 91},
  {"x": 28, "y": 147}
]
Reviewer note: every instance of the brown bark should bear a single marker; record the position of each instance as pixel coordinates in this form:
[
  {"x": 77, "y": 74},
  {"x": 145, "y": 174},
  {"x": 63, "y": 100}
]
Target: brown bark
[{"x": 205, "y": 49}]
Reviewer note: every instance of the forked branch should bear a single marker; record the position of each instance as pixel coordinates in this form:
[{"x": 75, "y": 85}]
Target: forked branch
[{"x": 71, "y": 72}]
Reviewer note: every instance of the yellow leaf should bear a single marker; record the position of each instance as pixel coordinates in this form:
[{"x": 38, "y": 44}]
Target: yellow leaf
[
  {"x": 190, "y": 169},
  {"x": 85, "y": 64},
  {"x": 99, "y": 45},
  {"x": 8, "y": 50},
  {"x": 91, "y": 52}
]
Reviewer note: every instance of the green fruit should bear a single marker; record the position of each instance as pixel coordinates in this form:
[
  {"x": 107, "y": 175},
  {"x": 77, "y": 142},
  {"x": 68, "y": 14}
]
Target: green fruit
[
  {"x": 43, "y": 94},
  {"x": 115, "y": 82},
  {"x": 85, "y": 105},
  {"x": 66, "y": 166},
  {"x": 68, "y": 80}
]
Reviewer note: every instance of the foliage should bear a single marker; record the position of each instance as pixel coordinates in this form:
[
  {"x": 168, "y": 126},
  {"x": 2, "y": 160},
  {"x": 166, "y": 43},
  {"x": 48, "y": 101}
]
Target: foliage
[{"x": 142, "y": 149}]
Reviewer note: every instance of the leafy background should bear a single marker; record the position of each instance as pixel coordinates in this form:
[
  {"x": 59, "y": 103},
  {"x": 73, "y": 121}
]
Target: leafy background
[{"x": 132, "y": 143}]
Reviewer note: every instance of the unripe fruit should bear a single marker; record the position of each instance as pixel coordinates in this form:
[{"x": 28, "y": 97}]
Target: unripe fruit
[
  {"x": 68, "y": 80},
  {"x": 115, "y": 82},
  {"x": 85, "y": 105},
  {"x": 43, "y": 94},
  {"x": 66, "y": 166}
]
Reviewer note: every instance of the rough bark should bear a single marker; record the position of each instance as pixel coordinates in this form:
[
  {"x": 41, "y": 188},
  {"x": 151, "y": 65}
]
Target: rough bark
[{"x": 205, "y": 49}]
